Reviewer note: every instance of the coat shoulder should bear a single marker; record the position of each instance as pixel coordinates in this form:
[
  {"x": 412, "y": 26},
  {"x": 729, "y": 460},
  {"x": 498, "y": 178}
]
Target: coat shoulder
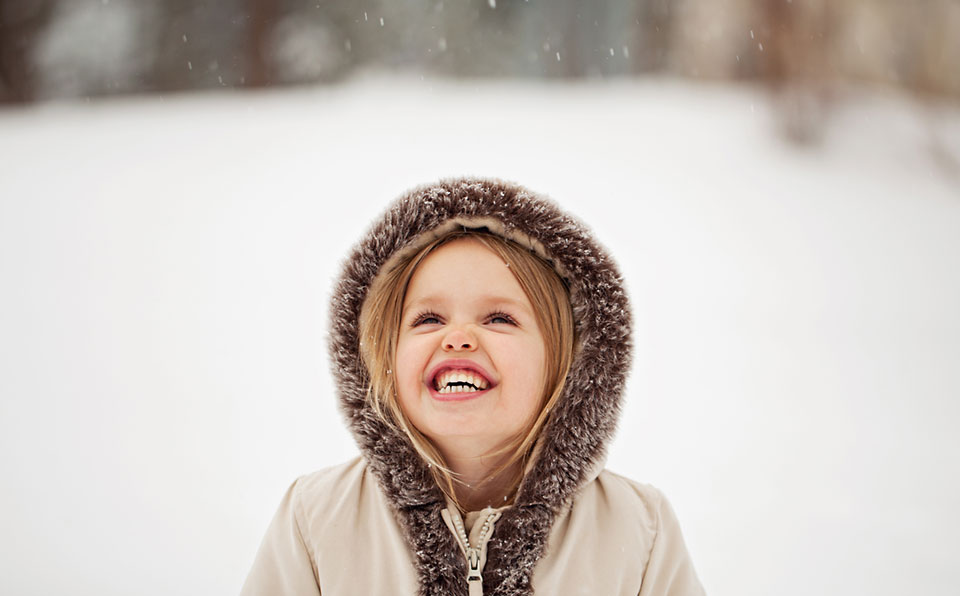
[
  {"x": 322, "y": 481},
  {"x": 325, "y": 518},
  {"x": 667, "y": 566},
  {"x": 640, "y": 501},
  {"x": 319, "y": 494},
  {"x": 618, "y": 521}
]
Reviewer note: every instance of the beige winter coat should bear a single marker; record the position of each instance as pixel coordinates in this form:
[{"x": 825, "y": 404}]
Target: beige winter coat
[
  {"x": 380, "y": 525},
  {"x": 335, "y": 535}
]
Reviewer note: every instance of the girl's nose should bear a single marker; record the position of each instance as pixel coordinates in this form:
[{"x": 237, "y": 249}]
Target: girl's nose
[{"x": 459, "y": 340}]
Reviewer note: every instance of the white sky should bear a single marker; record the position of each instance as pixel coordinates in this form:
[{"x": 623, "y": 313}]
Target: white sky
[{"x": 166, "y": 264}]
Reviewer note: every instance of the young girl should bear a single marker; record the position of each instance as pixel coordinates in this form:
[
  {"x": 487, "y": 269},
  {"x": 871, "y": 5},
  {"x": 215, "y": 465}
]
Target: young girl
[{"x": 480, "y": 339}]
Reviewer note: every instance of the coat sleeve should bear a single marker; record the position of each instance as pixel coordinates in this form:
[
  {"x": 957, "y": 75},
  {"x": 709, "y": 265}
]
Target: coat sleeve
[
  {"x": 284, "y": 565},
  {"x": 669, "y": 569}
]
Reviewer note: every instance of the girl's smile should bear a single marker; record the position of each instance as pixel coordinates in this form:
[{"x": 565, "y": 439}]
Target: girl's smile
[
  {"x": 458, "y": 379},
  {"x": 470, "y": 357}
]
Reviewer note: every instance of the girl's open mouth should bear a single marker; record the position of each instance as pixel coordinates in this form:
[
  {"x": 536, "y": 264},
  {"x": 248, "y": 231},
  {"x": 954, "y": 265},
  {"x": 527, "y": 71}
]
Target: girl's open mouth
[{"x": 458, "y": 381}]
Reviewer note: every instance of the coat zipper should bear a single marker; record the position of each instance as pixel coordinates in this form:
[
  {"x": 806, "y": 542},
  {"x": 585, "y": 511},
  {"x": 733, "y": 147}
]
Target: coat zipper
[
  {"x": 473, "y": 570},
  {"x": 473, "y": 554}
]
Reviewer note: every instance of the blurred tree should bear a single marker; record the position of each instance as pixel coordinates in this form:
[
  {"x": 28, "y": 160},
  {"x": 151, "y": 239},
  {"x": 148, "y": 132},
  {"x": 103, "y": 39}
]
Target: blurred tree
[
  {"x": 796, "y": 37},
  {"x": 654, "y": 26},
  {"x": 261, "y": 23},
  {"x": 94, "y": 48},
  {"x": 480, "y": 37},
  {"x": 201, "y": 44},
  {"x": 52, "y": 48},
  {"x": 304, "y": 41},
  {"x": 20, "y": 23}
]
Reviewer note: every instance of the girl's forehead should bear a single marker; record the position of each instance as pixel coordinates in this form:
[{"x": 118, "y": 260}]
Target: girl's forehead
[
  {"x": 461, "y": 255},
  {"x": 466, "y": 244},
  {"x": 464, "y": 272}
]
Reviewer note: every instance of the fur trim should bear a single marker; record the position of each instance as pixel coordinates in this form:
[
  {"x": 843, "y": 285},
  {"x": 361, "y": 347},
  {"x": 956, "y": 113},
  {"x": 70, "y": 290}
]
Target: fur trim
[{"x": 575, "y": 437}]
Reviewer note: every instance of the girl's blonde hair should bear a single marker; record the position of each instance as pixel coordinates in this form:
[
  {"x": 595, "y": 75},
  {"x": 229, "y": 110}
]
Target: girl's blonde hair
[{"x": 380, "y": 320}]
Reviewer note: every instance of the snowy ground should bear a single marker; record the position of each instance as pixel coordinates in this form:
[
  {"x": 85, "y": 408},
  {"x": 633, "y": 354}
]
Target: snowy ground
[{"x": 166, "y": 265}]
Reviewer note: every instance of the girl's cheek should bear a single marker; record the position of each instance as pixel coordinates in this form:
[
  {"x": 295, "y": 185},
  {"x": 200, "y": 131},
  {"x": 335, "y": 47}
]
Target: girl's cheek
[{"x": 407, "y": 366}]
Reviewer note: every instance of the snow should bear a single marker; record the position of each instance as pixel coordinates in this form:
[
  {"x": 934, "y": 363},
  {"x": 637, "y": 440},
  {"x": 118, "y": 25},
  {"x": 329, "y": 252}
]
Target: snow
[{"x": 167, "y": 262}]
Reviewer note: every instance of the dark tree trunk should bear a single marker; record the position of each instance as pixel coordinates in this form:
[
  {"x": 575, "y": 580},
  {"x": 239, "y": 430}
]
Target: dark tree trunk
[
  {"x": 21, "y": 23},
  {"x": 262, "y": 18}
]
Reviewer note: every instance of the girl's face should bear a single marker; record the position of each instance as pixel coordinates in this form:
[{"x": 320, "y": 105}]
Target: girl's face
[{"x": 470, "y": 357}]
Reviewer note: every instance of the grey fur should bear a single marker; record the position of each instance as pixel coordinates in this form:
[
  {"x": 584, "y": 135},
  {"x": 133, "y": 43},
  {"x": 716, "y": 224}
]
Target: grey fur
[{"x": 582, "y": 423}]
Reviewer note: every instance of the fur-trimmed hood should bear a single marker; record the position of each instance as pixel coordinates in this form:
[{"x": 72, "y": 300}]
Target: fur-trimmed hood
[{"x": 574, "y": 439}]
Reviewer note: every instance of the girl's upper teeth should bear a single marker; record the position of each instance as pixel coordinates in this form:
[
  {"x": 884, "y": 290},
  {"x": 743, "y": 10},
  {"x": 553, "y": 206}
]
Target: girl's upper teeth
[{"x": 447, "y": 377}]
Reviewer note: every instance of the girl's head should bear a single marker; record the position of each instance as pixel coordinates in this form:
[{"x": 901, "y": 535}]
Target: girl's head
[{"x": 467, "y": 341}]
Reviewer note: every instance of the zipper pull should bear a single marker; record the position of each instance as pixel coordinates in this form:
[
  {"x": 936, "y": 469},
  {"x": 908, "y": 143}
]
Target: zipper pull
[{"x": 474, "y": 577}]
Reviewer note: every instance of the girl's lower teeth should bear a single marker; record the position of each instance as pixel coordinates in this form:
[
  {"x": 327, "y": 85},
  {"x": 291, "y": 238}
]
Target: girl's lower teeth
[{"x": 458, "y": 390}]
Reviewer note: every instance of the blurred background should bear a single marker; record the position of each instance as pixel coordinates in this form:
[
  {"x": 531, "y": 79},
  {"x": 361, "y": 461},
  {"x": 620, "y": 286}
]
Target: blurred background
[
  {"x": 778, "y": 179},
  {"x": 800, "y": 48}
]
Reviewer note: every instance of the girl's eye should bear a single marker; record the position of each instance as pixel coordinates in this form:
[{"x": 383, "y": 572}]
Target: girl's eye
[
  {"x": 427, "y": 318},
  {"x": 501, "y": 318}
]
